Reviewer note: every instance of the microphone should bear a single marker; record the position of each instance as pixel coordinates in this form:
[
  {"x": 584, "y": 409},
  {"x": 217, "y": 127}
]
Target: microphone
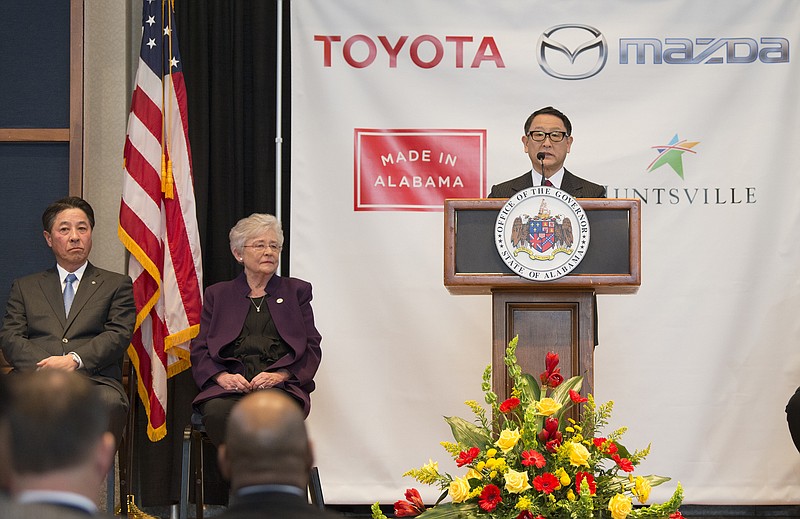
[{"x": 540, "y": 158}]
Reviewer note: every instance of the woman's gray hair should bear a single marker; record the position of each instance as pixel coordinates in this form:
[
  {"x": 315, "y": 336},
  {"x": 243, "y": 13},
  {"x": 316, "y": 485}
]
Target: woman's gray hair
[{"x": 252, "y": 226}]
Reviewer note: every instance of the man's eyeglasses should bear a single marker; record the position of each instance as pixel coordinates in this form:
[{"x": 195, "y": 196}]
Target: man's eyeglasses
[
  {"x": 539, "y": 136},
  {"x": 261, "y": 247}
]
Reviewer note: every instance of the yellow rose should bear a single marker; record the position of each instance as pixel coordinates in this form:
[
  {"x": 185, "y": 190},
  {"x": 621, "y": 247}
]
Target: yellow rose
[
  {"x": 459, "y": 490},
  {"x": 516, "y": 482},
  {"x": 620, "y": 506},
  {"x": 642, "y": 489},
  {"x": 578, "y": 455},
  {"x": 508, "y": 439},
  {"x": 473, "y": 474},
  {"x": 547, "y": 406}
]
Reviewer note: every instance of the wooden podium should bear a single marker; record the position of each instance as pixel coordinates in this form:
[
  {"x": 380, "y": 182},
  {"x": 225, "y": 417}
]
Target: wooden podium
[{"x": 558, "y": 315}]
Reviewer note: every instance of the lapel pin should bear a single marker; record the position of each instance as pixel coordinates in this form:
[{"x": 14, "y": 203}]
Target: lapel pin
[{"x": 280, "y": 300}]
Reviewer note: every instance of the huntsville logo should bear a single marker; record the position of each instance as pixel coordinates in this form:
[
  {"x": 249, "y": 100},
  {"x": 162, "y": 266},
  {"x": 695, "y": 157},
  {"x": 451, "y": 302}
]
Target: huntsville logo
[{"x": 672, "y": 154}]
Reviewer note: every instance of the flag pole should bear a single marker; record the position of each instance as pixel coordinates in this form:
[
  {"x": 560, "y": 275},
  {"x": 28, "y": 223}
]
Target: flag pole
[{"x": 278, "y": 112}]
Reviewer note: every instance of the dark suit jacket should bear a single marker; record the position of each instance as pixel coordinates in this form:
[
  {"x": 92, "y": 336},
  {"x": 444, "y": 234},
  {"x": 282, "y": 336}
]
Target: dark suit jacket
[
  {"x": 225, "y": 307},
  {"x": 278, "y": 505},
  {"x": 571, "y": 184},
  {"x": 98, "y": 329}
]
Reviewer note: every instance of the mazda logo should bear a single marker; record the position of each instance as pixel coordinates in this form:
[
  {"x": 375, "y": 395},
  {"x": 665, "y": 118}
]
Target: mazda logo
[{"x": 569, "y": 41}]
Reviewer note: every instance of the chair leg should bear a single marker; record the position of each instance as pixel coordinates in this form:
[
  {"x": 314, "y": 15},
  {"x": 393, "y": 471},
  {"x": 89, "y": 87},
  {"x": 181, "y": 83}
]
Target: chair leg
[
  {"x": 197, "y": 455},
  {"x": 315, "y": 489},
  {"x": 183, "y": 506}
]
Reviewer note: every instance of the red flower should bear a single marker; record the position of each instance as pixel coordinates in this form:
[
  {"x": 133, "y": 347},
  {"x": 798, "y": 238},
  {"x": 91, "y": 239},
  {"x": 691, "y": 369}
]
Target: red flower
[
  {"x": 465, "y": 458},
  {"x": 589, "y": 480},
  {"x": 533, "y": 458},
  {"x": 509, "y": 405},
  {"x": 546, "y": 483},
  {"x": 576, "y": 397},
  {"x": 676, "y": 515},
  {"x": 623, "y": 463},
  {"x": 611, "y": 447},
  {"x": 550, "y": 430},
  {"x": 552, "y": 375},
  {"x": 411, "y": 508},
  {"x": 551, "y": 361},
  {"x": 490, "y": 498},
  {"x": 525, "y": 514},
  {"x": 552, "y": 445}
]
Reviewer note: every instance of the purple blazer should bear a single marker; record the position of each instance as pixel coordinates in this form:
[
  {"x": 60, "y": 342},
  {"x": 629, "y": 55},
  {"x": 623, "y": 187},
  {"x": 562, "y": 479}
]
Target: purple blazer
[{"x": 225, "y": 306}]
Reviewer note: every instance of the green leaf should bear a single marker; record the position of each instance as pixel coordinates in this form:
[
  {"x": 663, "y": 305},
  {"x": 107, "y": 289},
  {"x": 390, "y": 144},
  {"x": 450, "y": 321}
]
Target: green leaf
[
  {"x": 467, "y": 433},
  {"x": 451, "y": 511},
  {"x": 561, "y": 393},
  {"x": 531, "y": 389}
]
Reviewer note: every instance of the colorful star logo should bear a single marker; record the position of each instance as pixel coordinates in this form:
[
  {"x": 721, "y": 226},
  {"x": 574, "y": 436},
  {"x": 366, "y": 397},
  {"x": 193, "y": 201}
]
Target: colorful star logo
[{"x": 672, "y": 154}]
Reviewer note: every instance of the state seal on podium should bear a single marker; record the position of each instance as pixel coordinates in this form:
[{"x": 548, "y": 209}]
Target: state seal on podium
[{"x": 542, "y": 233}]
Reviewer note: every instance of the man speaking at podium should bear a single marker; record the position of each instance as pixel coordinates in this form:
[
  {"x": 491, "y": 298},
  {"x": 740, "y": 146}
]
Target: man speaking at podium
[{"x": 547, "y": 140}]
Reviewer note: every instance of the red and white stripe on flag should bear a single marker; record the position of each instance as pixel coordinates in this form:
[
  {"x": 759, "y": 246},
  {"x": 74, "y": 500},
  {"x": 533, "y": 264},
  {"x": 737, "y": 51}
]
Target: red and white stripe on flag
[{"x": 157, "y": 218}]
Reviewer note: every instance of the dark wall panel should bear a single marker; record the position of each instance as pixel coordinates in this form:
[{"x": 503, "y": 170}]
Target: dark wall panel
[
  {"x": 34, "y": 84},
  {"x": 31, "y": 176}
]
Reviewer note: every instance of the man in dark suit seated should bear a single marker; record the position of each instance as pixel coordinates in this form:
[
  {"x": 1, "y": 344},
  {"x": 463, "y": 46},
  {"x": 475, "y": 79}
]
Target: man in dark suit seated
[
  {"x": 60, "y": 447},
  {"x": 547, "y": 140},
  {"x": 267, "y": 458},
  {"x": 74, "y": 316}
]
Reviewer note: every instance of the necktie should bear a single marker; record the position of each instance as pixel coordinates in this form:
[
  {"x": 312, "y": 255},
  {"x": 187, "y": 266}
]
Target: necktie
[
  {"x": 547, "y": 182},
  {"x": 69, "y": 292}
]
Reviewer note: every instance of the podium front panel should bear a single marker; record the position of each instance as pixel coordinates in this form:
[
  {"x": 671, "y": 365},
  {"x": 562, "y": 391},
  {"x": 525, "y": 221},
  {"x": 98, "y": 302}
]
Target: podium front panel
[{"x": 610, "y": 265}]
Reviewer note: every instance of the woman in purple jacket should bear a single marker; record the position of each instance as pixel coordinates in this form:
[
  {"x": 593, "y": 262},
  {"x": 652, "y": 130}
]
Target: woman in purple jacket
[{"x": 256, "y": 331}]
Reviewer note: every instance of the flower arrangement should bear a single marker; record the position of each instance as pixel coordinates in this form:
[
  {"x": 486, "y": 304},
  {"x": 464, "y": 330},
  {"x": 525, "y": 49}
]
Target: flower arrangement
[{"x": 531, "y": 461}]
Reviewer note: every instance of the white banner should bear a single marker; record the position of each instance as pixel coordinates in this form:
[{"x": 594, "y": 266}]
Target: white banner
[{"x": 690, "y": 106}]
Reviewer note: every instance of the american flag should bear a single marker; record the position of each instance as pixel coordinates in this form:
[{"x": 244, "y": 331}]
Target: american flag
[{"x": 157, "y": 219}]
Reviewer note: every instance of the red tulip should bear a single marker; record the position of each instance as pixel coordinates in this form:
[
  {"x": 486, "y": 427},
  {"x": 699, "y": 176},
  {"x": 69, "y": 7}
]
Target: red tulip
[{"x": 411, "y": 508}]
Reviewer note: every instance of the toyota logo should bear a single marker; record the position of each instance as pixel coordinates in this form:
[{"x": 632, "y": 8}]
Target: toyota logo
[{"x": 552, "y": 52}]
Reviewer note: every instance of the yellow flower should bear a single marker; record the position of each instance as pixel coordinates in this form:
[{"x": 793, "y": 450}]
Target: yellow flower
[
  {"x": 516, "y": 482},
  {"x": 491, "y": 463},
  {"x": 620, "y": 506},
  {"x": 459, "y": 490},
  {"x": 480, "y": 465},
  {"x": 428, "y": 473},
  {"x": 642, "y": 489},
  {"x": 562, "y": 476},
  {"x": 578, "y": 455},
  {"x": 508, "y": 439},
  {"x": 571, "y": 495},
  {"x": 547, "y": 406},
  {"x": 492, "y": 474},
  {"x": 501, "y": 464},
  {"x": 524, "y": 503},
  {"x": 491, "y": 453},
  {"x": 473, "y": 474}
]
